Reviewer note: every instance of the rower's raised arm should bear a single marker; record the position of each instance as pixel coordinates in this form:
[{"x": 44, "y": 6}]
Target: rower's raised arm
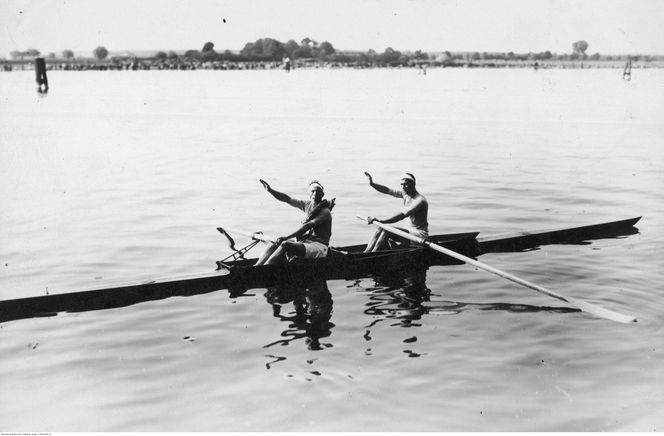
[
  {"x": 276, "y": 194},
  {"x": 380, "y": 188}
]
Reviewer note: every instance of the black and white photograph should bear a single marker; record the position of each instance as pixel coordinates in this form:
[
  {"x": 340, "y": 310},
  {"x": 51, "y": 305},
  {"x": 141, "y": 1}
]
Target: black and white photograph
[{"x": 331, "y": 216}]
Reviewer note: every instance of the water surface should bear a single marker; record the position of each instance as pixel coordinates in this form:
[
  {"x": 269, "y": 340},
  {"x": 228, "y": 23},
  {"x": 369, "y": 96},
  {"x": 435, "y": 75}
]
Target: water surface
[{"x": 116, "y": 176}]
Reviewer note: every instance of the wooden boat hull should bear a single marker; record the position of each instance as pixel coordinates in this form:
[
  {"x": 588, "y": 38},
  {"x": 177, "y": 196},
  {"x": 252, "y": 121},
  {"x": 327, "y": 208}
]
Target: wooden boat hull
[
  {"x": 244, "y": 275},
  {"x": 523, "y": 241}
]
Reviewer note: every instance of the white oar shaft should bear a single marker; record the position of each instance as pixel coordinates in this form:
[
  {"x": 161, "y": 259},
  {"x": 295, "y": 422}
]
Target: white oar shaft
[{"x": 583, "y": 305}]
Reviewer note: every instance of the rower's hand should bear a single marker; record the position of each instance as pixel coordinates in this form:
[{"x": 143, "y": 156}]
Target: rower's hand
[
  {"x": 371, "y": 219},
  {"x": 279, "y": 241},
  {"x": 265, "y": 184},
  {"x": 369, "y": 177}
]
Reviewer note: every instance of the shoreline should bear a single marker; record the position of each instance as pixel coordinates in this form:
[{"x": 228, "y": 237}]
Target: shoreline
[{"x": 151, "y": 64}]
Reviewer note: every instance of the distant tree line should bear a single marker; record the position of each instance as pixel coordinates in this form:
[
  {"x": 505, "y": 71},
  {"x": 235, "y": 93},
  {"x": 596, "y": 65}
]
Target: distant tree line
[
  {"x": 310, "y": 50},
  {"x": 31, "y": 53},
  {"x": 272, "y": 50}
]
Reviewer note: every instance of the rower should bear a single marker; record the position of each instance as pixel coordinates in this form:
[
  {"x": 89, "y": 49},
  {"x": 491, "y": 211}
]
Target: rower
[
  {"x": 312, "y": 237},
  {"x": 415, "y": 207}
]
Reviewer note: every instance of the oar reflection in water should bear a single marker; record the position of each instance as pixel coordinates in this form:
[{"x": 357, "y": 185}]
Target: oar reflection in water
[
  {"x": 310, "y": 319},
  {"x": 406, "y": 300}
]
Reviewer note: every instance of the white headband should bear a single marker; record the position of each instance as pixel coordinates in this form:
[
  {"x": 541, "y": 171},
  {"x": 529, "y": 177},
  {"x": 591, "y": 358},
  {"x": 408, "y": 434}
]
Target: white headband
[
  {"x": 314, "y": 185},
  {"x": 407, "y": 177}
]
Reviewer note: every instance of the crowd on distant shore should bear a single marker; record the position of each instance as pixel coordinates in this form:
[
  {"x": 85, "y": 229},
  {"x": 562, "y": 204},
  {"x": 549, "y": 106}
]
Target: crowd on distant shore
[{"x": 143, "y": 64}]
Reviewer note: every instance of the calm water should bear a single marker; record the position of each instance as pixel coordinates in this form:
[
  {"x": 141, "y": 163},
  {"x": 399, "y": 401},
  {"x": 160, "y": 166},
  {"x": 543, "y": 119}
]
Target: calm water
[{"x": 117, "y": 176}]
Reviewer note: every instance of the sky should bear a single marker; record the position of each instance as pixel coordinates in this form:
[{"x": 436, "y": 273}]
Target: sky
[{"x": 521, "y": 26}]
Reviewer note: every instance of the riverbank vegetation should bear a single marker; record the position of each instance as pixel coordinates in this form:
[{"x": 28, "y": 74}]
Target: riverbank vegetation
[{"x": 269, "y": 53}]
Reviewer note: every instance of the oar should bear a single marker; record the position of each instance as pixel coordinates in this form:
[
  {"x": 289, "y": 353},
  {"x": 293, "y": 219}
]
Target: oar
[
  {"x": 259, "y": 236},
  {"x": 580, "y": 304}
]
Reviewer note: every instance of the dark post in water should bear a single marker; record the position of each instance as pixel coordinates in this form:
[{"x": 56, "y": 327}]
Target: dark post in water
[{"x": 40, "y": 71}]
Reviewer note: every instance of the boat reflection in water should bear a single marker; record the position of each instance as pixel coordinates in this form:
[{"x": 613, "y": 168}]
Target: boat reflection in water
[
  {"x": 402, "y": 298},
  {"x": 310, "y": 319}
]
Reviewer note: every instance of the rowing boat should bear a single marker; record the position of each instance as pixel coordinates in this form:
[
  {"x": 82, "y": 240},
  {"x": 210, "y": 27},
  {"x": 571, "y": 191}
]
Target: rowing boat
[{"x": 344, "y": 263}]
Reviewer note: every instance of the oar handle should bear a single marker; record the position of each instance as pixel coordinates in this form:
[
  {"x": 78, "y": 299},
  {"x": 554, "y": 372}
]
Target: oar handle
[{"x": 580, "y": 304}]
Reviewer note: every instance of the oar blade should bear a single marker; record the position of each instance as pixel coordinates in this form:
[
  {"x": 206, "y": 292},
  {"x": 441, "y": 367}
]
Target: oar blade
[{"x": 601, "y": 312}]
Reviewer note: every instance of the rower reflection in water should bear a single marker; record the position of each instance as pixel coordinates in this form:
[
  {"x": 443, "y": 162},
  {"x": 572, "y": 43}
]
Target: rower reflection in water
[
  {"x": 311, "y": 316},
  {"x": 401, "y": 297},
  {"x": 415, "y": 207},
  {"x": 312, "y": 237}
]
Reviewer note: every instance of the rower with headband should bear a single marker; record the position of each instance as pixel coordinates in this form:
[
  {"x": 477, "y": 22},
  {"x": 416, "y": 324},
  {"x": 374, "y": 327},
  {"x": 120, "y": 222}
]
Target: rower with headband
[
  {"x": 312, "y": 238},
  {"x": 415, "y": 207}
]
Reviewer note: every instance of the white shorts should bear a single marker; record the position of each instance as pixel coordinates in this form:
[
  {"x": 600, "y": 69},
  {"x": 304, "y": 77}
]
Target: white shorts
[
  {"x": 419, "y": 233},
  {"x": 415, "y": 232},
  {"x": 314, "y": 250}
]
